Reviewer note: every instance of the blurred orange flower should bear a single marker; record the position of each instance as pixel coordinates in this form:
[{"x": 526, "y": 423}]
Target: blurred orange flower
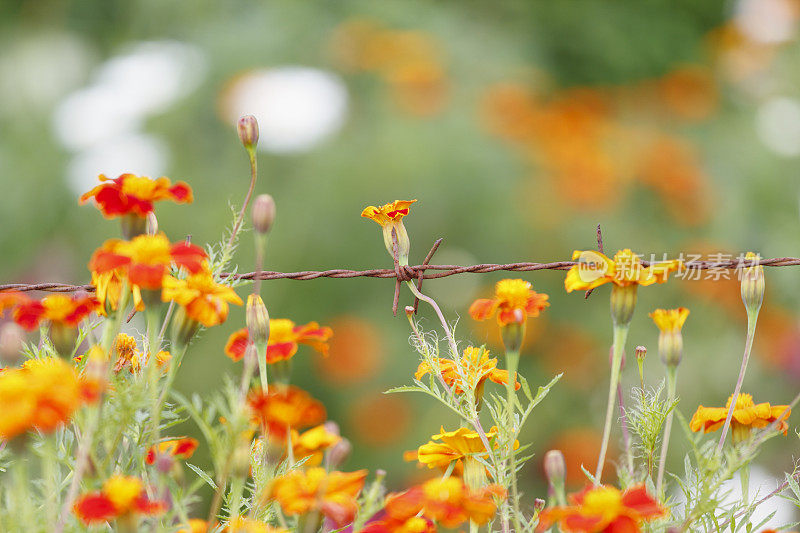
[
  {"x": 121, "y": 497},
  {"x": 108, "y": 290},
  {"x": 450, "y": 502},
  {"x": 512, "y": 296},
  {"x": 312, "y": 443},
  {"x": 58, "y": 309},
  {"x": 379, "y": 420},
  {"x": 355, "y": 352},
  {"x": 284, "y": 337},
  {"x": 130, "y": 194},
  {"x": 281, "y": 409},
  {"x": 746, "y": 415},
  {"x": 333, "y": 494},
  {"x": 204, "y": 300},
  {"x": 182, "y": 448},
  {"x": 241, "y": 524},
  {"x": 604, "y": 509}
]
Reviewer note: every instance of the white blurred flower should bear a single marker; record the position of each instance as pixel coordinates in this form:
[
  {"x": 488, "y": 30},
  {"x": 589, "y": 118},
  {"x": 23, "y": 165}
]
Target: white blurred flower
[
  {"x": 141, "y": 154},
  {"x": 297, "y": 107},
  {"x": 778, "y": 125},
  {"x": 766, "y": 21}
]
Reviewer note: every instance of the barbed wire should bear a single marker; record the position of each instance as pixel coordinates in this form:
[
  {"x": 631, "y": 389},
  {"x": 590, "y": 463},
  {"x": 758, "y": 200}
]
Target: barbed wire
[{"x": 410, "y": 273}]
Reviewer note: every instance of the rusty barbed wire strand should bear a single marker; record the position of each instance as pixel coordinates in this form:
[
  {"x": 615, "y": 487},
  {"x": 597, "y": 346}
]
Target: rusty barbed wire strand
[{"x": 427, "y": 271}]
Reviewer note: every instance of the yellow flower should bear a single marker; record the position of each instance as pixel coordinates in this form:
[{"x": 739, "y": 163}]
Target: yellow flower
[
  {"x": 248, "y": 525},
  {"x": 470, "y": 373},
  {"x": 670, "y": 320},
  {"x": 390, "y": 217},
  {"x": 746, "y": 415},
  {"x": 204, "y": 300},
  {"x": 595, "y": 269},
  {"x": 513, "y": 301},
  {"x": 453, "y": 446}
]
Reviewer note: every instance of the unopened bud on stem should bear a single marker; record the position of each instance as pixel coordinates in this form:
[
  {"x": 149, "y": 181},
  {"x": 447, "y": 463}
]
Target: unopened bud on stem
[
  {"x": 263, "y": 213},
  {"x": 247, "y": 127},
  {"x": 257, "y": 319},
  {"x": 753, "y": 284}
]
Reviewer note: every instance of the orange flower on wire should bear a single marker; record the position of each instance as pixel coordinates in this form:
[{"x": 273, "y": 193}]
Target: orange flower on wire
[
  {"x": 333, "y": 494},
  {"x": 42, "y": 395},
  {"x": 746, "y": 415},
  {"x": 470, "y": 372},
  {"x": 145, "y": 260},
  {"x": 281, "y": 409},
  {"x": 604, "y": 509},
  {"x": 204, "y": 300},
  {"x": 58, "y": 309},
  {"x": 513, "y": 301},
  {"x": 122, "y": 497},
  {"x": 130, "y": 194},
  {"x": 284, "y": 337},
  {"x": 182, "y": 448},
  {"x": 595, "y": 269}
]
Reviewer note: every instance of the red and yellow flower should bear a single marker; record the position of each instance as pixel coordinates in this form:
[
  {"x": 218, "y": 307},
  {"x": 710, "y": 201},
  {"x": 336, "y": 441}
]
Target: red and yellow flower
[
  {"x": 182, "y": 448},
  {"x": 284, "y": 338},
  {"x": 58, "y": 309},
  {"x": 746, "y": 415},
  {"x": 450, "y": 502},
  {"x": 333, "y": 494},
  {"x": 452, "y": 446},
  {"x": 281, "y": 409},
  {"x": 513, "y": 301},
  {"x": 390, "y": 217},
  {"x": 121, "y": 498},
  {"x": 134, "y": 195},
  {"x": 595, "y": 269},
  {"x": 400, "y": 515},
  {"x": 312, "y": 443},
  {"x": 204, "y": 300},
  {"x": 145, "y": 260},
  {"x": 469, "y": 373},
  {"x": 108, "y": 290}
]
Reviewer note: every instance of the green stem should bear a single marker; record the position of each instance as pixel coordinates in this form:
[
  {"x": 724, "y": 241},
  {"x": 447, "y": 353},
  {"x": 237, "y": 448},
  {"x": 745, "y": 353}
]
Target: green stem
[
  {"x": 152, "y": 317},
  {"x": 22, "y": 495},
  {"x": 172, "y": 371},
  {"x": 752, "y": 318},
  {"x": 52, "y": 476},
  {"x": 240, "y": 217},
  {"x": 237, "y": 489},
  {"x": 620, "y": 336},
  {"x": 672, "y": 380},
  {"x": 512, "y": 362},
  {"x": 261, "y": 350}
]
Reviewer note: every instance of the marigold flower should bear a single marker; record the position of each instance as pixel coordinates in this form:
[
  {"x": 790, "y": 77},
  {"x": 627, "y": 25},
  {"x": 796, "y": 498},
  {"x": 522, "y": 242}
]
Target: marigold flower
[
  {"x": 248, "y": 525},
  {"x": 746, "y": 415},
  {"x": 11, "y": 299},
  {"x": 204, "y": 300},
  {"x": 399, "y": 515},
  {"x": 284, "y": 337},
  {"x": 450, "y": 502},
  {"x": 453, "y": 446},
  {"x": 669, "y": 320},
  {"x": 121, "y": 497},
  {"x": 333, "y": 494},
  {"x": 312, "y": 443},
  {"x": 670, "y": 341},
  {"x": 145, "y": 259},
  {"x": 283, "y": 408},
  {"x": 595, "y": 269},
  {"x": 470, "y": 372},
  {"x": 58, "y": 309},
  {"x": 42, "y": 395},
  {"x": 604, "y": 509},
  {"x": 108, "y": 291},
  {"x": 182, "y": 448},
  {"x": 511, "y": 297},
  {"x": 390, "y": 217},
  {"x": 130, "y": 194}
]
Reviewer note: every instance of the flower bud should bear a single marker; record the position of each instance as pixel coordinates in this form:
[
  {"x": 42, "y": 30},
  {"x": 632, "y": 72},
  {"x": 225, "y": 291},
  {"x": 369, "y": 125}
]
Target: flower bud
[
  {"x": 263, "y": 213},
  {"x": 641, "y": 352},
  {"x": 183, "y": 328},
  {"x": 152, "y": 223},
  {"x": 623, "y": 302},
  {"x": 670, "y": 340},
  {"x": 538, "y": 506},
  {"x": 339, "y": 453},
  {"x": 12, "y": 339},
  {"x": 257, "y": 320},
  {"x": 247, "y": 127},
  {"x": 512, "y": 335},
  {"x": 753, "y": 284},
  {"x": 555, "y": 468}
]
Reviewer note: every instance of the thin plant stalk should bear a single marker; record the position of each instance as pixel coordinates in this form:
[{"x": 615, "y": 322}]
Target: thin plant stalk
[
  {"x": 240, "y": 217},
  {"x": 512, "y": 362},
  {"x": 672, "y": 380},
  {"x": 620, "y": 336},
  {"x": 626, "y": 435},
  {"x": 752, "y": 318},
  {"x": 152, "y": 317}
]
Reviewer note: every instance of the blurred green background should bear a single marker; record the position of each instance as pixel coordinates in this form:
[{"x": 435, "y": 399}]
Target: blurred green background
[{"x": 519, "y": 126}]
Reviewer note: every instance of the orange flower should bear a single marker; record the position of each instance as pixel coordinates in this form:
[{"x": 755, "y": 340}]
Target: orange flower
[
  {"x": 58, "y": 309},
  {"x": 205, "y": 300},
  {"x": 42, "y": 395},
  {"x": 182, "y": 448},
  {"x": 284, "y": 336},
  {"x": 669, "y": 320},
  {"x": 513, "y": 299},
  {"x": 146, "y": 259},
  {"x": 248, "y": 525},
  {"x": 195, "y": 525},
  {"x": 746, "y": 415},
  {"x": 453, "y": 446},
  {"x": 283, "y": 408},
  {"x": 11, "y": 299},
  {"x": 121, "y": 497},
  {"x": 390, "y": 217},
  {"x": 470, "y": 373},
  {"x": 312, "y": 443},
  {"x": 595, "y": 269},
  {"x": 399, "y": 515},
  {"x": 604, "y": 509},
  {"x": 130, "y": 194},
  {"x": 127, "y": 354},
  {"x": 333, "y": 494},
  {"x": 450, "y": 502}
]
